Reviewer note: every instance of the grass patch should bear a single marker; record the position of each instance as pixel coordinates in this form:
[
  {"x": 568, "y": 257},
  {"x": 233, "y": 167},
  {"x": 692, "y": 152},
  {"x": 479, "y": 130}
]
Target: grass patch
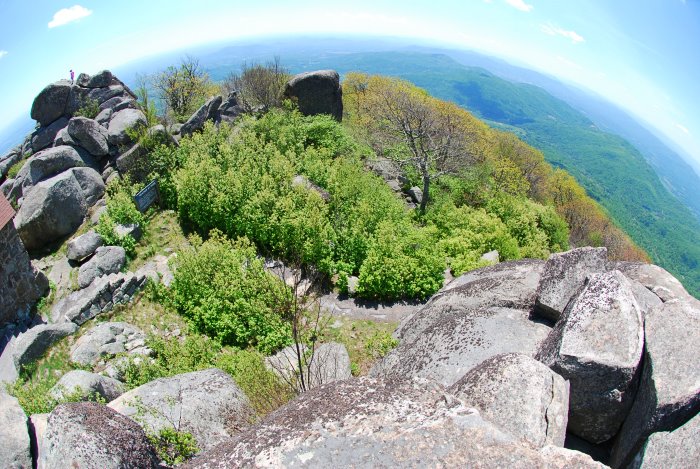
[
  {"x": 164, "y": 235},
  {"x": 367, "y": 341}
]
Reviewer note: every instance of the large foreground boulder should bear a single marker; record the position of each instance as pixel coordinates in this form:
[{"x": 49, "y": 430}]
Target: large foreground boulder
[
  {"x": 481, "y": 314},
  {"x": 123, "y": 121},
  {"x": 656, "y": 279},
  {"x": 50, "y": 103},
  {"x": 669, "y": 394},
  {"x": 53, "y": 209},
  {"x": 208, "y": 404},
  {"x": 87, "y": 435},
  {"x": 14, "y": 436},
  {"x": 44, "y": 136},
  {"x": 107, "y": 260},
  {"x": 564, "y": 275},
  {"x": 597, "y": 345},
  {"x": 317, "y": 93},
  {"x": 679, "y": 448},
  {"x": 32, "y": 344},
  {"x": 370, "y": 422},
  {"x": 520, "y": 395},
  {"x": 45, "y": 164},
  {"x": 89, "y": 135}
]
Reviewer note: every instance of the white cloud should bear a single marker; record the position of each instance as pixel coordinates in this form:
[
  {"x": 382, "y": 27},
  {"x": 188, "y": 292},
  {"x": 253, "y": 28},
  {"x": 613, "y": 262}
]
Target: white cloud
[
  {"x": 682, "y": 128},
  {"x": 520, "y": 5},
  {"x": 68, "y": 15},
  {"x": 554, "y": 30},
  {"x": 3, "y": 53}
]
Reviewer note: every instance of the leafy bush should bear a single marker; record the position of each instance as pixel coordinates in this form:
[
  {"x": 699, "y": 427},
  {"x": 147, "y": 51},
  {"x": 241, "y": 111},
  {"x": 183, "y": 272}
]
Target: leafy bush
[
  {"x": 173, "y": 446},
  {"x": 171, "y": 356},
  {"x": 259, "y": 87},
  {"x": 120, "y": 210},
  {"x": 14, "y": 169},
  {"x": 402, "y": 262},
  {"x": 223, "y": 290},
  {"x": 89, "y": 108},
  {"x": 263, "y": 387},
  {"x": 380, "y": 343}
]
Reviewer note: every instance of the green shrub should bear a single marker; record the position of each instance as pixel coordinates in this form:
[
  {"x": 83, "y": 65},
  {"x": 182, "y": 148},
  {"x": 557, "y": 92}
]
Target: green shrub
[
  {"x": 14, "y": 169},
  {"x": 171, "y": 356},
  {"x": 380, "y": 343},
  {"x": 89, "y": 108},
  {"x": 263, "y": 387},
  {"x": 223, "y": 290},
  {"x": 173, "y": 446},
  {"x": 402, "y": 262},
  {"x": 120, "y": 210}
]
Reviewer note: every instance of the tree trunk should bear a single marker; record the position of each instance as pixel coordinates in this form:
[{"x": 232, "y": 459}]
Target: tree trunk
[{"x": 426, "y": 189}]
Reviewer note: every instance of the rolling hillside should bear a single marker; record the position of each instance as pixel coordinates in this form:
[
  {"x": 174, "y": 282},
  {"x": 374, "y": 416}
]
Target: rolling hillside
[{"x": 611, "y": 169}]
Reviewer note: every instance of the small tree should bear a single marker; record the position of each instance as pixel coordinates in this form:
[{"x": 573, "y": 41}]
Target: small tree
[
  {"x": 183, "y": 89},
  {"x": 259, "y": 87},
  {"x": 405, "y": 124}
]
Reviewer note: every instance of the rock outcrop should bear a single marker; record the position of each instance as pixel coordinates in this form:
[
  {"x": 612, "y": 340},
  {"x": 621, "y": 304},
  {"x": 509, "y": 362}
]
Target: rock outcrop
[
  {"x": 679, "y": 448},
  {"x": 208, "y": 111},
  {"x": 564, "y": 274},
  {"x": 86, "y": 385},
  {"x": 15, "y": 447},
  {"x": 83, "y": 246},
  {"x": 107, "y": 260},
  {"x": 597, "y": 346},
  {"x": 520, "y": 395},
  {"x": 89, "y": 435},
  {"x": 382, "y": 423},
  {"x": 50, "y": 103},
  {"x": 317, "y": 92},
  {"x": 208, "y": 404},
  {"x": 107, "y": 340},
  {"x": 90, "y": 135},
  {"x": 669, "y": 394},
  {"x": 479, "y": 315}
]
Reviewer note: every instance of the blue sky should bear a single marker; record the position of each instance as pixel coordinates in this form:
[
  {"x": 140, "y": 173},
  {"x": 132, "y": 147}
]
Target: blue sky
[{"x": 640, "y": 54}]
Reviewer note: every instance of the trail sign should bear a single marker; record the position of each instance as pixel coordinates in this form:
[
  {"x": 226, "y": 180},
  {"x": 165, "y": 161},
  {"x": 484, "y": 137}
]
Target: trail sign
[{"x": 147, "y": 196}]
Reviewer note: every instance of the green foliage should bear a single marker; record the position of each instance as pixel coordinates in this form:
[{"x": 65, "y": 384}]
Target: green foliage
[
  {"x": 171, "y": 356},
  {"x": 259, "y": 87},
  {"x": 14, "y": 169},
  {"x": 222, "y": 289},
  {"x": 173, "y": 446},
  {"x": 380, "y": 343},
  {"x": 402, "y": 262},
  {"x": 120, "y": 210},
  {"x": 89, "y": 108},
  {"x": 183, "y": 89},
  {"x": 263, "y": 387}
]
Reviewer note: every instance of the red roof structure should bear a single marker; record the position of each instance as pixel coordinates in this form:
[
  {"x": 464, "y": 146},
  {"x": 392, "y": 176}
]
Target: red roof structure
[{"x": 6, "y": 212}]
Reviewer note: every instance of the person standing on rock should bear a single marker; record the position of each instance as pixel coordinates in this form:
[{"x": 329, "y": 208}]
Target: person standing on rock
[{"x": 72, "y": 77}]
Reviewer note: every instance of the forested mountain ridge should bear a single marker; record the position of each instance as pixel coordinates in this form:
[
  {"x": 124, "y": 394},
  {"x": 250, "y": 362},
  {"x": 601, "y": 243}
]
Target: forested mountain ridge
[{"x": 611, "y": 170}]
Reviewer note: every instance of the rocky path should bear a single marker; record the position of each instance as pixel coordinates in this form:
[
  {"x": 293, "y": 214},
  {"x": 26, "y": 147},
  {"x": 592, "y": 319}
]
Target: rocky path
[{"x": 342, "y": 305}]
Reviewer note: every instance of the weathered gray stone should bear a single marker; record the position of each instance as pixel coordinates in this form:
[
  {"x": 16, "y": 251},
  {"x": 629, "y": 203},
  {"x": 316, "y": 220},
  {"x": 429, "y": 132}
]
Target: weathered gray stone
[
  {"x": 481, "y": 314},
  {"x": 230, "y": 108},
  {"x": 654, "y": 278},
  {"x": 84, "y": 246},
  {"x": 415, "y": 194},
  {"x": 100, "y": 80},
  {"x": 37, "y": 428},
  {"x": 492, "y": 257},
  {"x": 121, "y": 122},
  {"x": 54, "y": 208},
  {"x": 669, "y": 393},
  {"x": 91, "y": 184},
  {"x": 520, "y": 395},
  {"x": 21, "y": 285},
  {"x": 132, "y": 230},
  {"x": 60, "y": 274},
  {"x": 104, "y": 116},
  {"x": 646, "y": 299},
  {"x": 131, "y": 159},
  {"x": 368, "y": 422},
  {"x": 107, "y": 260},
  {"x": 64, "y": 138},
  {"x": 161, "y": 135},
  {"x": 207, "y": 111},
  {"x": 106, "y": 340},
  {"x": 564, "y": 275},
  {"x": 47, "y": 163},
  {"x": 330, "y": 362},
  {"x": 353, "y": 283},
  {"x": 676, "y": 449},
  {"x": 50, "y": 103},
  {"x": 15, "y": 448},
  {"x": 32, "y": 344},
  {"x": 87, "y": 385},
  {"x": 317, "y": 93},
  {"x": 8, "y": 160},
  {"x": 99, "y": 297},
  {"x": 89, "y": 134},
  {"x": 206, "y": 403},
  {"x": 44, "y": 136},
  {"x": 597, "y": 345},
  {"x": 92, "y": 436}
]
